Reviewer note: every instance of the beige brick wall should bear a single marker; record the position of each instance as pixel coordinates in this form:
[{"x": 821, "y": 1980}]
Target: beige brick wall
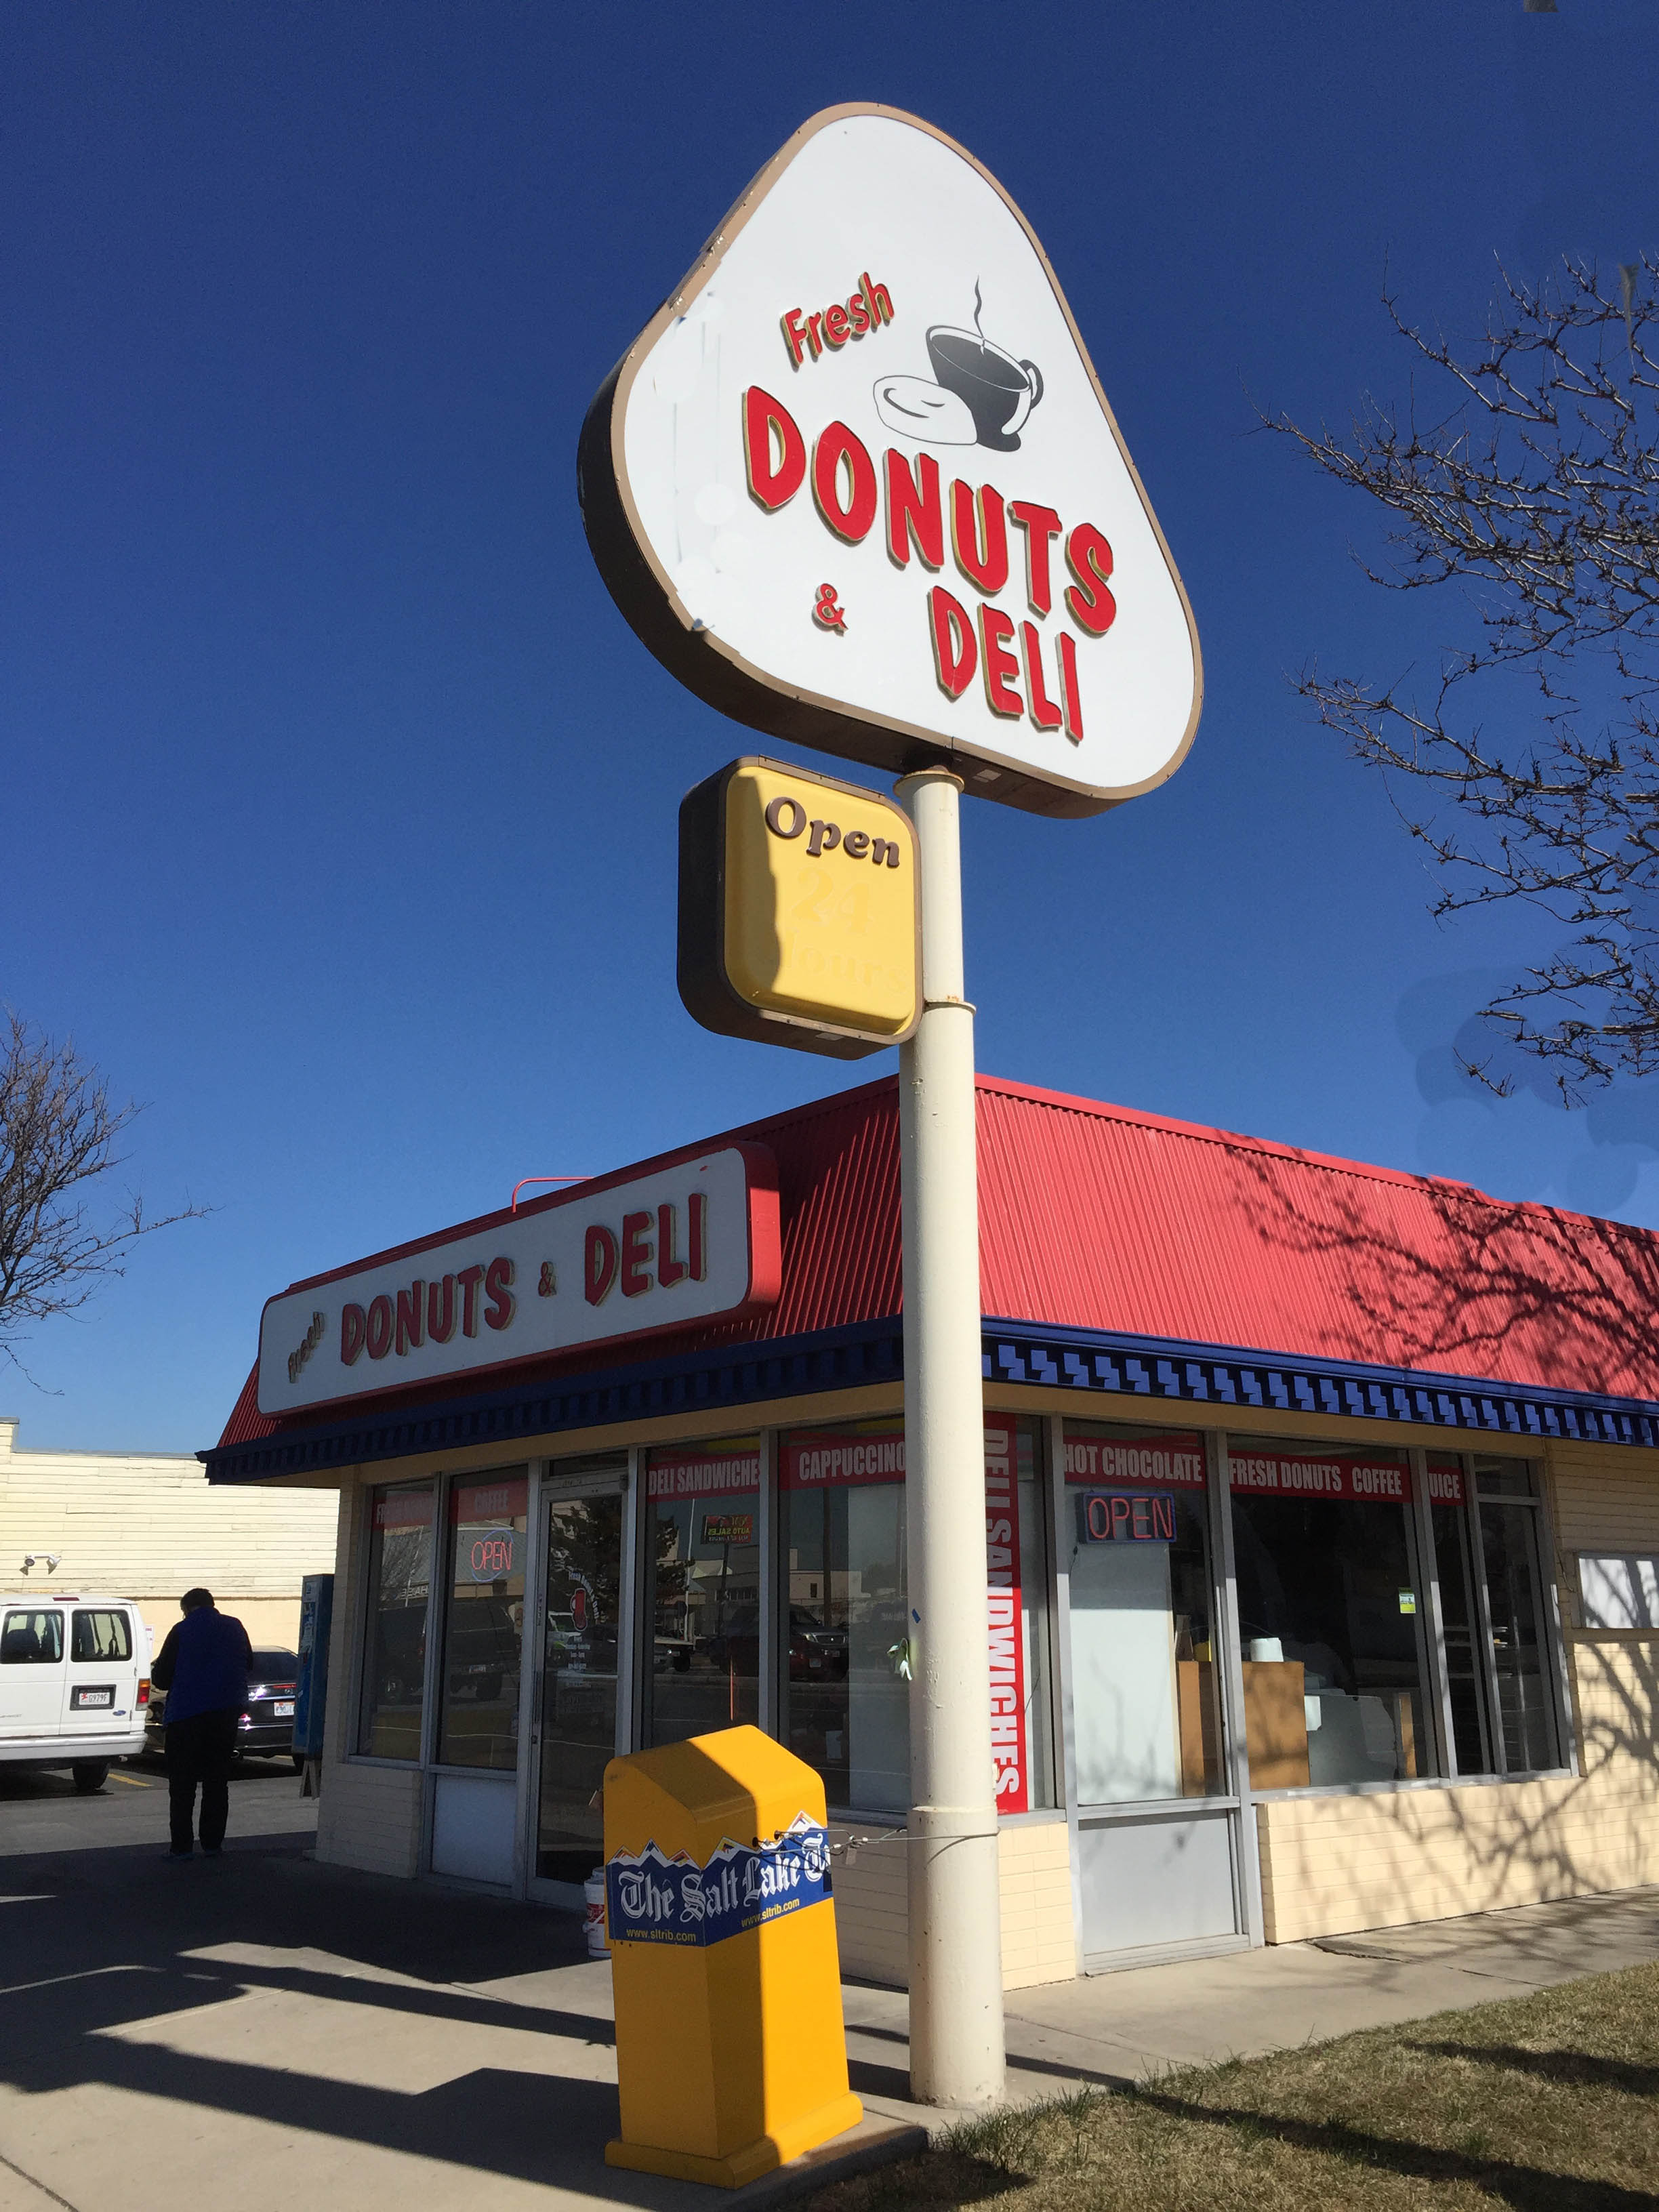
[
  {"x": 1039, "y": 1941},
  {"x": 149, "y": 1525},
  {"x": 872, "y": 1916},
  {"x": 1331, "y": 1866},
  {"x": 871, "y": 1911},
  {"x": 1335, "y": 1865},
  {"x": 1600, "y": 1500}
]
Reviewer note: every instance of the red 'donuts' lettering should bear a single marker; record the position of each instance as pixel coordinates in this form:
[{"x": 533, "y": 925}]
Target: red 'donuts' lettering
[
  {"x": 773, "y": 482},
  {"x": 496, "y": 1281}
]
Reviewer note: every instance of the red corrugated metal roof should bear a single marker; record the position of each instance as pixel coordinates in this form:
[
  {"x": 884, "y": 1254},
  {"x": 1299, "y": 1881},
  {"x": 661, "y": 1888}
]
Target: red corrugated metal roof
[
  {"x": 1098, "y": 1217},
  {"x": 1094, "y": 1216}
]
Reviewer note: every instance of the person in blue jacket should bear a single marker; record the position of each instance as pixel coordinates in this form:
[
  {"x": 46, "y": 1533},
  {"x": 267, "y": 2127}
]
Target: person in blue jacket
[{"x": 202, "y": 1670}]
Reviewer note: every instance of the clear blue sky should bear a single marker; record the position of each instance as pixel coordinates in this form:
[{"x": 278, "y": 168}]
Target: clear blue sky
[{"x": 337, "y": 801}]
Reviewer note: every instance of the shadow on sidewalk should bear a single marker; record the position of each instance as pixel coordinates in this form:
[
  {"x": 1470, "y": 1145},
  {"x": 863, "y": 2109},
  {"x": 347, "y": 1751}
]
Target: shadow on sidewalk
[{"x": 97, "y": 1941}]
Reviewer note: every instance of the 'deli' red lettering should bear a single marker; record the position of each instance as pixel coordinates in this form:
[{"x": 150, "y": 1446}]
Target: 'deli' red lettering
[
  {"x": 956, "y": 653},
  {"x": 635, "y": 1269},
  {"x": 996, "y": 635},
  {"x": 670, "y": 1268},
  {"x": 598, "y": 1263}
]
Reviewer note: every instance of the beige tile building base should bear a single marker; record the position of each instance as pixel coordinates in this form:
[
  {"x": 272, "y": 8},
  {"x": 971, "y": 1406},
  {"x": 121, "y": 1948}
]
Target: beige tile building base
[
  {"x": 872, "y": 1918},
  {"x": 1335, "y": 1865}
]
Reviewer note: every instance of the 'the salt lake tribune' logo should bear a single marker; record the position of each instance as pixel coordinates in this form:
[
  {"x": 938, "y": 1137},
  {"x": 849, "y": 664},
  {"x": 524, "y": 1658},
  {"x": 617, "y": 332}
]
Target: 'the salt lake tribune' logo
[{"x": 652, "y": 1898}]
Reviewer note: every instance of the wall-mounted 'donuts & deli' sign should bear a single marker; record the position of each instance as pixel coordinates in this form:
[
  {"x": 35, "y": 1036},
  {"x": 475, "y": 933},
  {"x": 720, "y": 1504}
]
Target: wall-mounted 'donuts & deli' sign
[
  {"x": 658, "y": 1248},
  {"x": 856, "y": 483}
]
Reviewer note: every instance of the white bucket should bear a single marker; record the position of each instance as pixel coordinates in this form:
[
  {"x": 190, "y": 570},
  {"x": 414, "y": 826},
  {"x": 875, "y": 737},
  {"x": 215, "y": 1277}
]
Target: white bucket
[{"x": 593, "y": 1919}]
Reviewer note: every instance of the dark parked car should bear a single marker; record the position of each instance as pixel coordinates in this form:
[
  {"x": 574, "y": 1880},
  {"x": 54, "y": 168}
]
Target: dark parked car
[
  {"x": 818, "y": 1652},
  {"x": 266, "y": 1728}
]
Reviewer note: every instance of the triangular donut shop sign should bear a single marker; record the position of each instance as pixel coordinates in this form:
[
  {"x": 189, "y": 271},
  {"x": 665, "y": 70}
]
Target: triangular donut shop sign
[{"x": 856, "y": 484}]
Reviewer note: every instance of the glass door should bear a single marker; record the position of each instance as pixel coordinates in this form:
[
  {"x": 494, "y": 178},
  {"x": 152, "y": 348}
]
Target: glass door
[
  {"x": 579, "y": 1664},
  {"x": 1155, "y": 1818}
]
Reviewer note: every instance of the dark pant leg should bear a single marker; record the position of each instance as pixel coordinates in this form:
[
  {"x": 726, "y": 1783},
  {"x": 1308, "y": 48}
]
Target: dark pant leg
[
  {"x": 183, "y": 1772},
  {"x": 218, "y": 1753}
]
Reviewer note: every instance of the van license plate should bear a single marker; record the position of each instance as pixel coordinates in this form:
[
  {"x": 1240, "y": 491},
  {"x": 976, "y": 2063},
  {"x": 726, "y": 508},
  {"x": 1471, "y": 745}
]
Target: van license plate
[
  {"x": 86, "y": 1701},
  {"x": 283, "y": 1709}
]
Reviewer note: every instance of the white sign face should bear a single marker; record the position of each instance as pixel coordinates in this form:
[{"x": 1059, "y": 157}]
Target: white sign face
[
  {"x": 687, "y": 1242},
  {"x": 857, "y": 484}
]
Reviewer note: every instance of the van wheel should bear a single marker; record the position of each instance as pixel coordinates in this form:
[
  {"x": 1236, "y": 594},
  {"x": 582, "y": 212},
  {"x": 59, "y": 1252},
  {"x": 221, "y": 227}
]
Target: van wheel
[{"x": 89, "y": 1774}]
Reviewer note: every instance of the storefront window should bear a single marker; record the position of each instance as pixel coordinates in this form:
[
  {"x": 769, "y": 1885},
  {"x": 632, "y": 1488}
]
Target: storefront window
[
  {"x": 478, "y": 1717},
  {"x": 399, "y": 1586},
  {"x": 1509, "y": 1547},
  {"x": 703, "y": 1562},
  {"x": 583, "y": 1524},
  {"x": 1333, "y": 1660},
  {"x": 1459, "y": 1616},
  {"x": 847, "y": 1702},
  {"x": 1144, "y": 1694}
]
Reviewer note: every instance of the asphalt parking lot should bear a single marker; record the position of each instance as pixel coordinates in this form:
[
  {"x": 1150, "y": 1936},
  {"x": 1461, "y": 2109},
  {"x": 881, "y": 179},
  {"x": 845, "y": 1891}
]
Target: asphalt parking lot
[{"x": 43, "y": 1812}]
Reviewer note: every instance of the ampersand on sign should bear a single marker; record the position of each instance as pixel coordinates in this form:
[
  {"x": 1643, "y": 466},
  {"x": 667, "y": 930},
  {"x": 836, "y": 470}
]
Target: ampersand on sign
[
  {"x": 826, "y": 612},
  {"x": 548, "y": 1285}
]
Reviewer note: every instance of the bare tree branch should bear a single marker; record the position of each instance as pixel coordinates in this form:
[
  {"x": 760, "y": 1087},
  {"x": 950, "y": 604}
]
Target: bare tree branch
[
  {"x": 1536, "y": 490},
  {"x": 58, "y": 1134}
]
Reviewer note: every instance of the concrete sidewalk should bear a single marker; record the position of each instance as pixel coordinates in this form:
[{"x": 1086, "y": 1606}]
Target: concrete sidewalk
[{"x": 251, "y": 2031}]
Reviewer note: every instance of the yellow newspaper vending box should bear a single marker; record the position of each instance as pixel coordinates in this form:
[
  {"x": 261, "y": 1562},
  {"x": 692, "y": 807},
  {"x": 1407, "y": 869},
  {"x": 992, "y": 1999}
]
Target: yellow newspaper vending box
[{"x": 730, "y": 2052}]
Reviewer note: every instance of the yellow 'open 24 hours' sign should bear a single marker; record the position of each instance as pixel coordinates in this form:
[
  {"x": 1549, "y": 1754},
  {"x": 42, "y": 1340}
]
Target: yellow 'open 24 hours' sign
[{"x": 798, "y": 911}]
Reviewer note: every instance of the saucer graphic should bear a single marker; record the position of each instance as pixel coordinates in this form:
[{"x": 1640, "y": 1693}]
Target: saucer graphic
[{"x": 981, "y": 394}]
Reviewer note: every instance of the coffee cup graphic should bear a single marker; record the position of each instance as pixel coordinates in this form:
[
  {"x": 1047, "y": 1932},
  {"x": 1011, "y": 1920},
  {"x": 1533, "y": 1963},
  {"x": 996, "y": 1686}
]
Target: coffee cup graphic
[{"x": 999, "y": 391}]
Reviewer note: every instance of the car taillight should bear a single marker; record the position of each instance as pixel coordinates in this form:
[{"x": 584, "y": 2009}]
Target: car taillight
[{"x": 143, "y": 1690}]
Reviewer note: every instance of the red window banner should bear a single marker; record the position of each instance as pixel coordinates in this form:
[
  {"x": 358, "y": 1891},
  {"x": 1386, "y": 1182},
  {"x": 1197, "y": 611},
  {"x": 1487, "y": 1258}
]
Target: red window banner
[
  {"x": 1004, "y": 1627},
  {"x": 504, "y": 1498},
  {"x": 811, "y": 1462},
  {"x": 404, "y": 1509},
  {"x": 1343, "y": 1481},
  {"x": 701, "y": 1474},
  {"x": 1174, "y": 1461},
  {"x": 1445, "y": 1482}
]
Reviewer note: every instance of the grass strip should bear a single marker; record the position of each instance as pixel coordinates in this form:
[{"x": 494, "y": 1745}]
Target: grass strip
[{"x": 1548, "y": 2103}]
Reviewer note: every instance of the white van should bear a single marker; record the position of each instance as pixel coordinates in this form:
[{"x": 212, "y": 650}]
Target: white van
[{"x": 74, "y": 1682}]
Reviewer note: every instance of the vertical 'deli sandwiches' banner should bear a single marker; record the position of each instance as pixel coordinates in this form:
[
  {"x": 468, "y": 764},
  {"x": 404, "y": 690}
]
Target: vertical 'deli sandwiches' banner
[{"x": 1004, "y": 1624}]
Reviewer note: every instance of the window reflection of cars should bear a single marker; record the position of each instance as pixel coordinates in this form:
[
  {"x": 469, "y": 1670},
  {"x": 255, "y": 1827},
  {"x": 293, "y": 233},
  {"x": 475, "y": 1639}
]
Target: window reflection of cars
[
  {"x": 816, "y": 1648},
  {"x": 401, "y": 1653},
  {"x": 483, "y": 1647}
]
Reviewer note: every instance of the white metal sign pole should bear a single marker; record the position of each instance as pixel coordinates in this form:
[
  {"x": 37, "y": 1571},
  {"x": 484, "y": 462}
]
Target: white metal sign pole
[{"x": 956, "y": 1944}]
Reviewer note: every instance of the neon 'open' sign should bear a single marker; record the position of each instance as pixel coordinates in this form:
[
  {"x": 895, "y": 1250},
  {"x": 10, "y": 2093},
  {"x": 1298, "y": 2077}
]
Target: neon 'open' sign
[
  {"x": 491, "y": 1555},
  {"x": 1127, "y": 1517}
]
